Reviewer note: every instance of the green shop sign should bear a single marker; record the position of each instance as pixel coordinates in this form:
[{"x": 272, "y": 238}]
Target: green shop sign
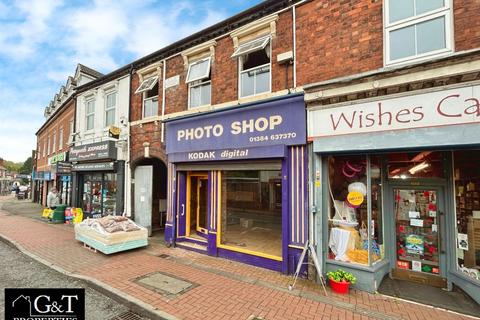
[{"x": 57, "y": 158}]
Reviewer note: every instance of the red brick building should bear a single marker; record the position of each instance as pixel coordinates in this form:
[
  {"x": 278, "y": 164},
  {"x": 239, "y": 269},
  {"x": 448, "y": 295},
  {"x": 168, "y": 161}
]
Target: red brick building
[
  {"x": 340, "y": 54},
  {"x": 54, "y": 138}
]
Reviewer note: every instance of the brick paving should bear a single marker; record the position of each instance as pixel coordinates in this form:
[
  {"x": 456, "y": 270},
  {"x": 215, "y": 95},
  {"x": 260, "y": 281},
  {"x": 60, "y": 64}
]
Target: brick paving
[{"x": 225, "y": 289}]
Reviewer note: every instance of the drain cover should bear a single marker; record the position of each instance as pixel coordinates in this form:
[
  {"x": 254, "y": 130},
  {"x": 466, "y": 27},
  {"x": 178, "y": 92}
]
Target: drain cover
[
  {"x": 129, "y": 315},
  {"x": 165, "y": 284}
]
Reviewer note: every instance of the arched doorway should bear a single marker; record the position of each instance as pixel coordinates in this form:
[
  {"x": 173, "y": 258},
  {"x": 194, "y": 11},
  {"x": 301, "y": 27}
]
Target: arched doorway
[{"x": 150, "y": 194}]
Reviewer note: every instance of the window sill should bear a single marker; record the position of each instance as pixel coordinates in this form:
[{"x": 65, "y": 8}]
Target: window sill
[
  {"x": 254, "y": 97},
  {"x": 373, "y": 268},
  {"x": 200, "y": 107},
  {"x": 417, "y": 60}
]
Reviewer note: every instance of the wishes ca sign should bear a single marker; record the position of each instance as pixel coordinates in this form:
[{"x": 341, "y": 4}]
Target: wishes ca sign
[{"x": 448, "y": 107}]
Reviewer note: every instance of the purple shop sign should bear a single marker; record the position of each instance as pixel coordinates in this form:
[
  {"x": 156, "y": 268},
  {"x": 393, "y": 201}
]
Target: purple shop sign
[
  {"x": 229, "y": 154},
  {"x": 238, "y": 133}
]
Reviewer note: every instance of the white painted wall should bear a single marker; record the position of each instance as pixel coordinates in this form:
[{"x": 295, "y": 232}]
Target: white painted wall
[{"x": 100, "y": 131}]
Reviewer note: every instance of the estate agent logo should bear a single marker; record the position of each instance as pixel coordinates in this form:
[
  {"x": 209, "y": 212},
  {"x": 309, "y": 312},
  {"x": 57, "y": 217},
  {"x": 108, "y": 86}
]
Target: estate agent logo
[{"x": 31, "y": 304}]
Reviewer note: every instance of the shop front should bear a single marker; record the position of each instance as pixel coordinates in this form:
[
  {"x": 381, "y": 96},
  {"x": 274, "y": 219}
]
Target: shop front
[
  {"x": 98, "y": 179},
  {"x": 237, "y": 183},
  {"x": 398, "y": 184},
  {"x": 61, "y": 172}
]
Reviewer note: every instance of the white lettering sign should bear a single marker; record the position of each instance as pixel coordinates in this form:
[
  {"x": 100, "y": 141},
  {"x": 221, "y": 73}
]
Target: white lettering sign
[
  {"x": 447, "y": 107},
  {"x": 260, "y": 124}
]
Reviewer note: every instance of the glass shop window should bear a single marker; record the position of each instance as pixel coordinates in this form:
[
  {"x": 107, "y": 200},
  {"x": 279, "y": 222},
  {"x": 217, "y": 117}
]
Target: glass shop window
[
  {"x": 411, "y": 165},
  {"x": 99, "y": 194},
  {"x": 467, "y": 201},
  {"x": 251, "y": 211},
  {"x": 109, "y": 193},
  {"x": 355, "y": 209}
]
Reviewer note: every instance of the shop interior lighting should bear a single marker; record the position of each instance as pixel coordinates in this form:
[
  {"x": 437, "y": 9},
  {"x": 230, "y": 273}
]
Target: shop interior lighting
[{"x": 418, "y": 167}]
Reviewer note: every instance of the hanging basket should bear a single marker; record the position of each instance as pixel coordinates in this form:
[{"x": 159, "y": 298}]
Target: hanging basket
[{"x": 339, "y": 287}]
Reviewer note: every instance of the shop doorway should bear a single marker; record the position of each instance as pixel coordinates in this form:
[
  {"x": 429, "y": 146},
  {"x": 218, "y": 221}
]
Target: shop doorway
[
  {"x": 197, "y": 205},
  {"x": 419, "y": 220},
  {"x": 150, "y": 194}
]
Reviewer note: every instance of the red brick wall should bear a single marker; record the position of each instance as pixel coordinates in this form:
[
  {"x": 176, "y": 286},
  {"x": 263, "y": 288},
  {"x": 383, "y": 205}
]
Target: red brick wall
[
  {"x": 62, "y": 120},
  {"x": 148, "y": 132},
  {"x": 176, "y": 98},
  {"x": 466, "y": 24},
  {"x": 224, "y": 72},
  {"x": 338, "y": 38},
  {"x": 282, "y": 42}
]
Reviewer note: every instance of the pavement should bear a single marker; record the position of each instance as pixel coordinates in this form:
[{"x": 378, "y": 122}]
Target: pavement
[
  {"x": 195, "y": 286},
  {"x": 21, "y": 271}
]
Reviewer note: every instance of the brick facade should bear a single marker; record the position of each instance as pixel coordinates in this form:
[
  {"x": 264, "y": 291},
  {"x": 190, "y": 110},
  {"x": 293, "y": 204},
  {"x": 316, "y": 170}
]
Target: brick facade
[
  {"x": 59, "y": 120},
  {"x": 338, "y": 38}
]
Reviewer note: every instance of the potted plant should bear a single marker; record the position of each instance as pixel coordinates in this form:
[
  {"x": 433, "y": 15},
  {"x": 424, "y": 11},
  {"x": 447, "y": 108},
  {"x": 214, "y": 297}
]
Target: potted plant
[{"x": 340, "y": 280}]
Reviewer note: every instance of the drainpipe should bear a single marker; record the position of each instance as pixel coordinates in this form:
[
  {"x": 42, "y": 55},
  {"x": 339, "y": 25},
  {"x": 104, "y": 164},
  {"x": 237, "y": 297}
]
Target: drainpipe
[
  {"x": 294, "y": 32},
  {"x": 164, "y": 68},
  {"x": 127, "y": 211}
]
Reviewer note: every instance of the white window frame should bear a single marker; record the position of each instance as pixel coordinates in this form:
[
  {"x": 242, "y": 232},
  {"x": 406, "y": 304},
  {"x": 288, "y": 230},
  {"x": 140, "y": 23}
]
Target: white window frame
[
  {"x": 60, "y": 138},
  {"x": 49, "y": 145},
  {"x": 143, "y": 106},
  {"x": 445, "y": 11},
  {"x": 238, "y": 52},
  {"x": 240, "y": 71},
  {"x": 44, "y": 148},
  {"x": 114, "y": 108},
  {"x": 201, "y": 77},
  {"x": 144, "y": 88},
  {"x": 198, "y": 84},
  {"x": 89, "y": 114}
]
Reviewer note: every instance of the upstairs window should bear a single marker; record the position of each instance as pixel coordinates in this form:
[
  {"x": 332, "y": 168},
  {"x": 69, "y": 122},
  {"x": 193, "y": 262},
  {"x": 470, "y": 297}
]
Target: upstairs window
[
  {"x": 110, "y": 106},
  {"x": 149, "y": 89},
  {"x": 199, "y": 83},
  {"x": 90, "y": 114},
  {"x": 44, "y": 148},
  {"x": 416, "y": 29},
  {"x": 254, "y": 64},
  {"x": 60, "y": 138},
  {"x": 54, "y": 145},
  {"x": 49, "y": 145}
]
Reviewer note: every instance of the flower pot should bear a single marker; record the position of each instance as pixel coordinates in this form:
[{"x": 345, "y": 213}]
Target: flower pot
[{"x": 339, "y": 287}]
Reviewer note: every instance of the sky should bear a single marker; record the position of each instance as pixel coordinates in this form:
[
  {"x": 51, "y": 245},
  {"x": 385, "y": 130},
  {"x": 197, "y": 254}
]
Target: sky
[{"x": 42, "y": 41}]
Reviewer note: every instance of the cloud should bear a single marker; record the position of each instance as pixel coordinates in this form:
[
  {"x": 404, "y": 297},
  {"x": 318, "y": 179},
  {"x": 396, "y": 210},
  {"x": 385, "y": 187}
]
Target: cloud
[
  {"x": 20, "y": 37},
  {"x": 41, "y": 42}
]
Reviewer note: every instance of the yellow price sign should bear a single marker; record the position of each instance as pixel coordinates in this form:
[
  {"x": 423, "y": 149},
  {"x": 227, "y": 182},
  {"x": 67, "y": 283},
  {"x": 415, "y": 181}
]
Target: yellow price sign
[{"x": 355, "y": 198}]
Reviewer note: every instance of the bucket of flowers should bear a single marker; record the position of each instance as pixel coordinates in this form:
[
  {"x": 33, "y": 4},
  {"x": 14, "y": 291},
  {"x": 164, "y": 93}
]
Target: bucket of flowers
[{"x": 340, "y": 281}]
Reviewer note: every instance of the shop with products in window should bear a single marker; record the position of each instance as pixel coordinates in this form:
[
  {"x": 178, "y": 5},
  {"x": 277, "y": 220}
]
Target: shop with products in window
[
  {"x": 98, "y": 179},
  {"x": 237, "y": 183},
  {"x": 397, "y": 186}
]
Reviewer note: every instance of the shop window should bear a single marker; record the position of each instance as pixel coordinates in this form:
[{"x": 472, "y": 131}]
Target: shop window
[
  {"x": 251, "y": 212},
  {"x": 110, "y": 106},
  {"x": 409, "y": 165},
  {"x": 99, "y": 194},
  {"x": 254, "y": 63},
  {"x": 355, "y": 209},
  {"x": 467, "y": 201},
  {"x": 90, "y": 114},
  {"x": 417, "y": 28},
  {"x": 199, "y": 83}
]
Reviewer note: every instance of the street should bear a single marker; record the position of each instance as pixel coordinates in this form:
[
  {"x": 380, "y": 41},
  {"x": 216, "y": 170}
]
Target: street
[{"x": 20, "y": 271}]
